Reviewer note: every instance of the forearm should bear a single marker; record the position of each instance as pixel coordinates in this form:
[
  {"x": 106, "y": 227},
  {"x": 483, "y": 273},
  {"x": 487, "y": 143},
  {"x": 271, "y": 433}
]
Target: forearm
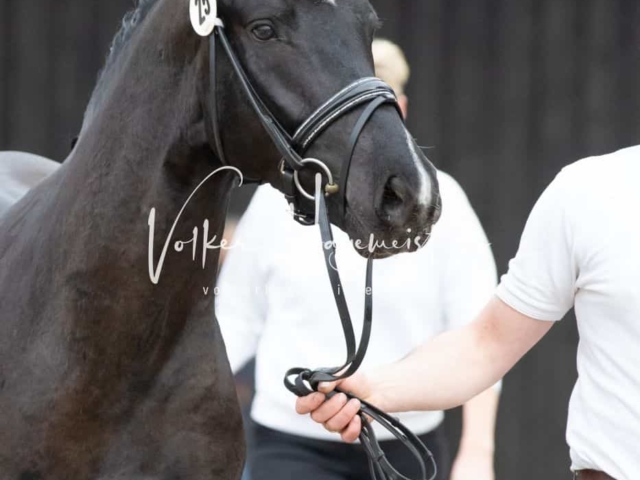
[
  {"x": 479, "y": 423},
  {"x": 458, "y": 365},
  {"x": 442, "y": 374}
]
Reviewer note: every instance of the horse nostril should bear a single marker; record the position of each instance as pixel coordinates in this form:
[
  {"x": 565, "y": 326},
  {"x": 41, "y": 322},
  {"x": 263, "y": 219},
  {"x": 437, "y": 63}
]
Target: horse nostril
[
  {"x": 394, "y": 192},
  {"x": 392, "y": 205}
]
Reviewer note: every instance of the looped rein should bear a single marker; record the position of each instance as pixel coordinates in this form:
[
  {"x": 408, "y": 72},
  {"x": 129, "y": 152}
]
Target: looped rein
[
  {"x": 373, "y": 93},
  {"x": 306, "y": 381}
]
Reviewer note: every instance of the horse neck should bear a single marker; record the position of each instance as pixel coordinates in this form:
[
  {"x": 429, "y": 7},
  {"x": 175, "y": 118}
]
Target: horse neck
[{"x": 132, "y": 158}]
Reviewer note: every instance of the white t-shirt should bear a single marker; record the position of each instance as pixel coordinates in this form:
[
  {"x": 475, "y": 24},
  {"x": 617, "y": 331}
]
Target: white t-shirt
[
  {"x": 581, "y": 247},
  {"x": 20, "y": 172},
  {"x": 274, "y": 300}
]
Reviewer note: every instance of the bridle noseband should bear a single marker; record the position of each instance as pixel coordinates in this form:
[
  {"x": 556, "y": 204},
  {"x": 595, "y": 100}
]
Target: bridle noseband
[{"x": 373, "y": 93}]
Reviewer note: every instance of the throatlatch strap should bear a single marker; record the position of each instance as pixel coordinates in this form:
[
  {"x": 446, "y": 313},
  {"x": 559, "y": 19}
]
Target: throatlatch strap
[{"x": 213, "y": 101}]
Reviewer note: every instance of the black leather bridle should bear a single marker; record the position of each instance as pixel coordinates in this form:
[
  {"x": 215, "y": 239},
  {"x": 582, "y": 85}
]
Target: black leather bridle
[{"x": 373, "y": 93}]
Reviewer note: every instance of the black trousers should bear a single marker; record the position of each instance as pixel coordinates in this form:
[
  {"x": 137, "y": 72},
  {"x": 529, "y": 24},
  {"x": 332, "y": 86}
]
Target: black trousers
[{"x": 278, "y": 456}]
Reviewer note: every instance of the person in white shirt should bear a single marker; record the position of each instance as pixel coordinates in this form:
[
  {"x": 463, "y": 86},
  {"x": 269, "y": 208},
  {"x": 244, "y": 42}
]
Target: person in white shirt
[
  {"x": 580, "y": 248},
  {"x": 274, "y": 301},
  {"x": 19, "y": 173}
]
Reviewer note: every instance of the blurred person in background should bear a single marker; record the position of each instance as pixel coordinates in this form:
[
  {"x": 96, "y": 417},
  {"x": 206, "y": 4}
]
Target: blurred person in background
[
  {"x": 274, "y": 302},
  {"x": 244, "y": 378},
  {"x": 580, "y": 248},
  {"x": 20, "y": 172}
]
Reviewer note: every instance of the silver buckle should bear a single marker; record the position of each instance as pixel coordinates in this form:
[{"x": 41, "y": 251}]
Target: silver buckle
[{"x": 331, "y": 187}]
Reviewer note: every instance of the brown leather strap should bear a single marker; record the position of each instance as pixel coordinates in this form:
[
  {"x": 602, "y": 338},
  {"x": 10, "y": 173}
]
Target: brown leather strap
[{"x": 592, "y": 475}]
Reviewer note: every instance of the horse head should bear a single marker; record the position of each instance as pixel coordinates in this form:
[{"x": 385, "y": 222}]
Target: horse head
[{"x": 296, "y": 55}]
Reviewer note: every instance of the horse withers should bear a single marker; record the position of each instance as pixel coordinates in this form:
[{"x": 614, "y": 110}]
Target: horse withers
[{"x": 106, "y": 374}]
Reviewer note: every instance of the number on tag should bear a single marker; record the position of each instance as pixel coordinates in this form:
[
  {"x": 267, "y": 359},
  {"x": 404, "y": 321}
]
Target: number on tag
[{"x": 203, "y": 16}]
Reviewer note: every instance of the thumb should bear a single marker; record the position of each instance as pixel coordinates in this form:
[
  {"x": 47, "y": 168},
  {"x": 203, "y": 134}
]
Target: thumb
[
  {"x": 327, "y": 387},
  {"x": 356, "y": 385}
]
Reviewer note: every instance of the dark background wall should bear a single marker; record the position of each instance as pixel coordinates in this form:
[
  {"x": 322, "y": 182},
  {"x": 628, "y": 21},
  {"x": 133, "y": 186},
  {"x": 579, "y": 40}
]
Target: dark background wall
[{"x": 506, "y": 92}]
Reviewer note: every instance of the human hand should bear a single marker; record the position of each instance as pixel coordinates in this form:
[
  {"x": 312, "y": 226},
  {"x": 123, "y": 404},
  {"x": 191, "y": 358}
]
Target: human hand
[{"x": 336, "y": 412}]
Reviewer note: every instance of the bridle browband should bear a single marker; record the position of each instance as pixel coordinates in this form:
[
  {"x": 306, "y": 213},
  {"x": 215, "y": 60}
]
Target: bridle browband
[{"x": 373, "y": 93}]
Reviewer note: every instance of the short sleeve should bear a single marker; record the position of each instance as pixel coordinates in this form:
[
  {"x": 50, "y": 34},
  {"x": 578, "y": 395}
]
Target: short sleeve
[{"x": 541, "y": 282}]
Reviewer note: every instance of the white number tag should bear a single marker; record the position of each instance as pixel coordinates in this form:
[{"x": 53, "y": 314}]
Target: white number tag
[{"x": 203, "y": 16}]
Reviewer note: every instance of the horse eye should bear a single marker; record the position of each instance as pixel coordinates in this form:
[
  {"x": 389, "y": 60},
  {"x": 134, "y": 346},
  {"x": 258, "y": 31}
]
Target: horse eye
[{"x": 264, "y": 32}]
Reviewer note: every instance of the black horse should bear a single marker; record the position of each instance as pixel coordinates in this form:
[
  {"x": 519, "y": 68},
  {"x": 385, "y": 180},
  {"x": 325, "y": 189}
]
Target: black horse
[{"x": 105, "y": 374}]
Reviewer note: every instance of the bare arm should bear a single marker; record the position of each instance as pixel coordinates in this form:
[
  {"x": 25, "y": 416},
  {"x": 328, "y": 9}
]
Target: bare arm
[
  {"x": 475, "y": 457},
  {"x": 446, "y": 372},
  {"x": 479, "y": 423}
]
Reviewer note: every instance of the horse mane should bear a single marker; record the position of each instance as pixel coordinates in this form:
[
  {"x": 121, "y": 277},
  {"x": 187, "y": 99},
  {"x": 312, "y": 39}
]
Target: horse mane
[{"x": 130, "y": 22}]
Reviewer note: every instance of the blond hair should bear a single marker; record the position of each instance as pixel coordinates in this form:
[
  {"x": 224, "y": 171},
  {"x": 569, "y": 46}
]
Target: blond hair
[{"x": 391, "y": 64}]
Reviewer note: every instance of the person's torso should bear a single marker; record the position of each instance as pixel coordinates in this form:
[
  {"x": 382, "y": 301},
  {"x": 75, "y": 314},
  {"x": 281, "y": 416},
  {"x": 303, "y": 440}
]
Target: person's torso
[{"x": 604, "y": 418}]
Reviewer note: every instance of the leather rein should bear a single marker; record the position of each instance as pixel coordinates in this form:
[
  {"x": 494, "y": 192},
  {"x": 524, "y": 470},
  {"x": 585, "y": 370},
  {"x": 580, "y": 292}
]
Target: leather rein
[{"x": 373, "y": 93}]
